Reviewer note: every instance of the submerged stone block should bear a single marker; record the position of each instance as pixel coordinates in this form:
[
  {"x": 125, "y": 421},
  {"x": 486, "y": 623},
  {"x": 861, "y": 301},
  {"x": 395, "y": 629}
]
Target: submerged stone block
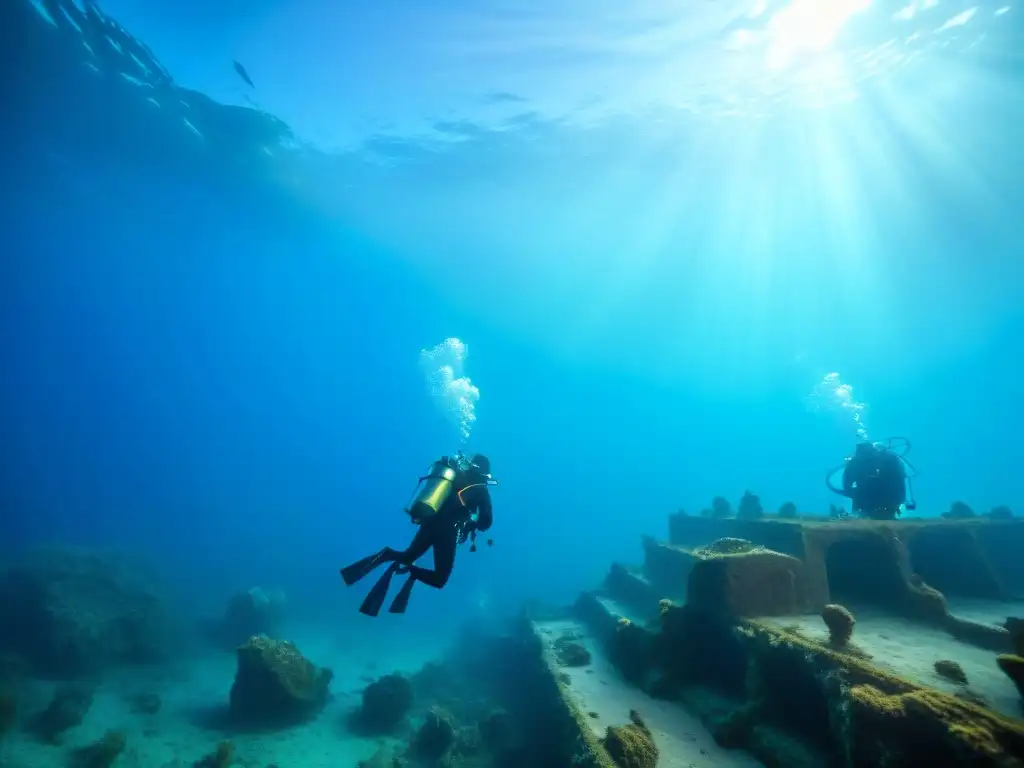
[{"x": 759, "y": 582}]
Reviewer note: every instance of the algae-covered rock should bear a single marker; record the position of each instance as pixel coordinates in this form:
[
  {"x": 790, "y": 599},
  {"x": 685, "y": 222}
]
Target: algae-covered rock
[
  {"x": 840, "y": 623},
  {"x": 632, "y": 745},
  {"x": 385, "y": 703},
  {"x": 275, "y": 682},
  {"x": 926, "y": 727},
  {"x": 951, "y": 671},
  {"x": 570, "y": 652}
]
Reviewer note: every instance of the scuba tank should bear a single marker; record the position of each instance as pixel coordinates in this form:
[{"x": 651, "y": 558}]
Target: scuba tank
[{"x": 433, "y": 490}]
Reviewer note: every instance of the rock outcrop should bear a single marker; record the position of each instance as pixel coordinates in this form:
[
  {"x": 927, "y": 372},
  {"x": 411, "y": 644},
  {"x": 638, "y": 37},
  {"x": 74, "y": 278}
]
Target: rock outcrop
[
  {"x": 71, "y": 613},
  {"x": 276, "y": 684}
]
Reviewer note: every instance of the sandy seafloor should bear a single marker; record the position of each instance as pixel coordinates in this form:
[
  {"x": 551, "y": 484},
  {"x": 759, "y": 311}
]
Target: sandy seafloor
[
  {"x": 606, "y": 699},
  {"x": 195, "y": 694}
]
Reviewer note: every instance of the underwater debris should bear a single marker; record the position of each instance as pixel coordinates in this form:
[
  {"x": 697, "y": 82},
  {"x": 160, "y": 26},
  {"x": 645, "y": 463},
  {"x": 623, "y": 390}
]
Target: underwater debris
[
  {"x": 632, "y": 745},
  {"x": 951, "y": 671},
  {"x": 840, "y": 623}
]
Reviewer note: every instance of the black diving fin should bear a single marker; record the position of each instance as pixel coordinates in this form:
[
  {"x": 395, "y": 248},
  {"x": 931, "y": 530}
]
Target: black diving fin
[
  {"x": 360, "y": 569},
  {"x": 401, "y": 601},
  {"x": 375, "y": 598}
]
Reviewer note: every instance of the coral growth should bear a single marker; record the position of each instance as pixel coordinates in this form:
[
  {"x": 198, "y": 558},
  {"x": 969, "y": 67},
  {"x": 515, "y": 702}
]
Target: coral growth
[
  {"x": 727, "y": 546},
  {"x": 750, "y": 507},
  {"x": 103, "y": 752},
  {"x": 274, "y": 682},
  {"x": 919, "y": 726},
  {"x": 1002, "y": 512},
  {"x": 787, "y": 510},
  {"x": 386, "y": 702},
  {"x": 570, "y": 652},
  {"x": 840, "y": 623},
  {"x": 632, "y": 745},
  {"x": 951, "y": 671}
]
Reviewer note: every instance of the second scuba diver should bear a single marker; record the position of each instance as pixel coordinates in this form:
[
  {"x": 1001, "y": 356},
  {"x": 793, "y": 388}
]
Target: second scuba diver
[
  {"x": 875, "y": 479},
  {"x": 451, "y": 504}
]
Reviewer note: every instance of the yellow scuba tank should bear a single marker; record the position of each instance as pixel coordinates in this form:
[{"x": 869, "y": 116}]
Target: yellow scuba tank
[{"x": 433, "y": 490}]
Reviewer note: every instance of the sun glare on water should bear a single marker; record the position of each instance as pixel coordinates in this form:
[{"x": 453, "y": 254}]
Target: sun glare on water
[{"x": 807, "y": 26}]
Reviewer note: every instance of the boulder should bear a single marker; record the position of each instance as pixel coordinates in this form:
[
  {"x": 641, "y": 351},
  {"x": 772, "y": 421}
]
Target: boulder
[
  {"x": 275, "y": 683},
  {"x": 386, "y": 702}
]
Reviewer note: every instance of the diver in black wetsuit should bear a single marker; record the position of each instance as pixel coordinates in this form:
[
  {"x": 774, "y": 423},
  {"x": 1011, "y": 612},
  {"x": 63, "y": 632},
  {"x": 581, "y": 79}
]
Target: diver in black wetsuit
[
  {"x": 452, "y": 505},
  {"x": 875, "y": 479}
]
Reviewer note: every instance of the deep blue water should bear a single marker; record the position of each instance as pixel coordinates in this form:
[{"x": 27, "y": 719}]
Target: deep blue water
[{"x": 219, "y": 368}]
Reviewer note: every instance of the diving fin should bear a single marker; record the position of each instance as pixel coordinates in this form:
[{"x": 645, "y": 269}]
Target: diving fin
[
  {"x": 375, "y": 598},
  {"x": 401, "y": 601},
  {"x": 360, "y": 569}
]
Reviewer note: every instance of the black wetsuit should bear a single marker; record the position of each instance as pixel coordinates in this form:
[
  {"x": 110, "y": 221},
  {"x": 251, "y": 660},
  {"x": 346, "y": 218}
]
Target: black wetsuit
[
  {"x": 875, "y": 482},
  {"x": 442, "y": 532}
]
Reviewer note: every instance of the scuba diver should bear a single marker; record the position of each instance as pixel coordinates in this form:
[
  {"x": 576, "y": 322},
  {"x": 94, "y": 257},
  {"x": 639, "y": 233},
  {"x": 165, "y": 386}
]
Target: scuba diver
[
  {"x": 876, "y": 479},
  {"x": 450, "y": 505}
]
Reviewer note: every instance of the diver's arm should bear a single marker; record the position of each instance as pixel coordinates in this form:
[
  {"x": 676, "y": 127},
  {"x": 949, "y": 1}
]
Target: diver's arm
[{"x": 485, "y": 515}]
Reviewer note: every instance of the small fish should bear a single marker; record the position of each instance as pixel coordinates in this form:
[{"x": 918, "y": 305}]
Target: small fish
[{"x": 243, "y": 74}]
